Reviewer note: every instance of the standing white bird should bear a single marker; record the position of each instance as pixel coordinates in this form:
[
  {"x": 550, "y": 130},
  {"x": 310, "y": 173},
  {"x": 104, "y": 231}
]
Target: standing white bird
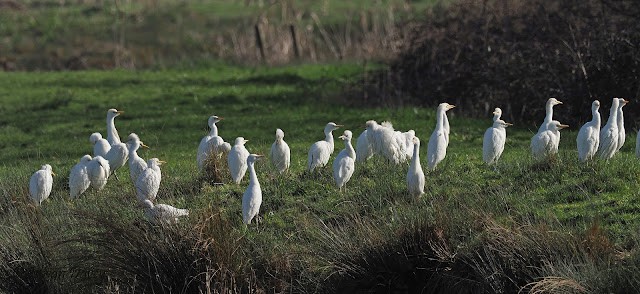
[
  {"x": 438, "y": 142},
  {"x": 544, "y": 144},
  {"x": 280, "y": 152},
  {"x": 210, "y": 142},
  {"x": 344, "y": 164},
  {"x": 415, "y": 175},
  {"x": 100, "y": 145},
  {"x": 98, "y": 170},
  {"x": 320, "y": 151},
  {"x": 494, "y": 139},
  {"x": 408, "y": 143},
  {"x": 609, "y": 133},
  {"x": 162, "y": 214},
  {"x": 40, "y": 184},
  {"x": 252, "y": 198},
  {"x": 589, "y": 135},
  {"x": 148, "y": 183},
  {"x": 137, "y": 165},
  {"x": 621, "y": 132},
  {"x": 364, "y": 150},
  {"x": 384, "y": 141},
  {"x": 237, "y": 160},
  {"x": 79, "y": 177},
  {"x": 548, "y": 119},
  {"x": 112, "y": 133},
  {"x": 117, "y": 157}
]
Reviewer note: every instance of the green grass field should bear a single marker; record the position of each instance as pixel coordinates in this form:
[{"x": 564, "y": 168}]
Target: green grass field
[{"x": 306, "y": 222}]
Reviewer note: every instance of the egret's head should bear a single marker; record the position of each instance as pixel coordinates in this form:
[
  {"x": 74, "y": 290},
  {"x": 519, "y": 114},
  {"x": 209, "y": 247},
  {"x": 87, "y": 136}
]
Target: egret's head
[
  {"x": 370, "y": 124},
  {"x": 553, "y": 101},
  {"x": 225, "y": 147},
  {"x": 497, "y": 111},
  {"x": 95, "y": 137},
  {"x": 155, "y": 161},
  {"x": 622, "y": 102},
  {"x": 331, "y": 126},
  {"x": 411, "y": 133},
  {"x": 595, "y": 104},
  {"x": 85, "y": 159},
  {"x": 240, "y": 141},
  {"x": 254, "y": 157},
  {"x": 146, "y": 204},
  {"x": 446, "y": 106},
  {"x": 47, "y": 168},
  {"x": 556, "y": 126},
  {"x": 114, "y": 112},
  {"x": 279, "y": 134},
  {"x": 346, "y": 136},
  {"x": 133, "y": 137},
  {"x": 214, "y": 120},
  {"x": 416, "y": 141}
]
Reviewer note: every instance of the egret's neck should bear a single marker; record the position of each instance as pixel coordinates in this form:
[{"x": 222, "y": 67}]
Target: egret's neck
[
  {"x": 496, "y": 117},
  {"x": 613, "y": 116},
  {"x": 214, "y": 130},
  {"x": 253, "y": 178},
  {"x": 328, "y": 136},
  {"x": 112, "y": 133},
  {"x": 549, "y": 117},
  {"x": 596, "y": 116},
  {"x": 620, "y": 118},
  {"x": 351, "y": 152},
  {"x": 415, "y": 160},
  {"x": 439, "y": 119},
  {"x": 445, "y": 121}
]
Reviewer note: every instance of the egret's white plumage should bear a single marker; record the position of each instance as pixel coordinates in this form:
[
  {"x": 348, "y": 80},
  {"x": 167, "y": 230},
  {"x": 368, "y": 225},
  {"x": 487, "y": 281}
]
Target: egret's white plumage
[
  {"x": 544, "y": 144},
  {"x": 589, "y": 135},
  {"x": 148, "y": 183},
  {"x": 40, "y": 184},
  {"x": 79, "y": 177},
  {"x": 280, "y": 152},
  {"x": 209, "y": 143},
  {"x": 237, "y": 160},
  {"x": 98, "y": 170},
  {"x": 162, "y": 214},
  {"x": 384, "y": 141},
  {"x": 494, "y": 139},
  {"x": 364, "y": 150},
  {"x": 609, "y": 133},
  {"x": 622, "y": 135},
  {"x": 548, "y": 119},
  {"x": 136, "y": 164},
  {"x": 320, "y": 151},
  {"x": 406, "y": 138},
  {"x": 252, "y": 198},
  {"x": 117, "y": 156},
  {"x": 344, "y": 164},
  {"x": 112, "y": 132},
  {"x": 438, "y": 142},
  {"x": 415, "y": 175},
  {"x": 100, "y": 145}
]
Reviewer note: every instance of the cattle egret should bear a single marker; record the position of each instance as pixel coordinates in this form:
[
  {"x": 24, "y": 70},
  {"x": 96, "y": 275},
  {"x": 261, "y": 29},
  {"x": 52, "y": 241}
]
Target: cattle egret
[
  {"x": 544, "y": 144},
  {"x": 320, "y": 151},
  {"x": 589, "y": 135},
  {"x": 344, "y": 164},
  {"x": 98, "y": 170},
  {"x": 415, "y": 175},
  {"x": 438, "y": 142},
  {"x": 148, "y": 183},
  {"x": 136, "y": 164},
  {"x": 280, "y": 152},
  {"x": 609, "y": 133},
  {"x": 40, "y": 184},
  {"x": 79, "y": 177},
  {"x": 237, "y": 160},
  {"x": 622, "y": 135},
  {"x": 100, "y": 145},
  {"x": 112, "y": 132},
  {"x": 162, "y": 214},
  {"x": 210, "y": 142},
  {"x": 364, "y": 150},
  {"x": 494, "y": 139},
  {"x": 252, "y": 198}
]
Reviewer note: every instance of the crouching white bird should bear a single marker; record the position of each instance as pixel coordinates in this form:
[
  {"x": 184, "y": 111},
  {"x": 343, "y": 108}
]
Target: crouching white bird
[
  {"x": 344, "y": 164},
  {"x": 280, "y": 152},
  {"x": 320, "y": 151},
  {"x": 384, "y": 142},
  {"x": 210, "y": 142},
  {"x": 112, "y": 132},
  {"x": 98, "y": 170},
  {"x": 622, "y": 134},
  {"x": 100, "y": 145},
  {"x": 544, "y": 144},
  {"x": 40, "y": 184},
  {"x": 494, "y": 139},
  {"x": 237, "y": 160},
  {"x": 79, "y": 177},
  {"x": 364, "y": 150},
  {"x": 148, "y": 183},
  {"x": 252, "y": 198},
  {"x": 137, "y": 165},
  {"x": 439, "y": 140},
  {"x": 162, "y": 214},
  {"x": 589, "y": 135},
  {"x": 609, "y": 133},
  {"x": 415, "y": 175}
]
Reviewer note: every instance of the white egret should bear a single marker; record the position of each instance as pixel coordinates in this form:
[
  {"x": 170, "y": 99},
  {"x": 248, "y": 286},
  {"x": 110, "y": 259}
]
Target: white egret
[
  {"x": 609, "y": 133},
  {"x": 209, "y": 142},
  {"x": 415, "y": 175},
  {"x": 237, "y": 160},
  {"x": 438, "y": 142},
  {"x": 280, "y": 152},
  {"x": 79, "y": 177},
  {"x": 98, "y": 170},
  {"x": 589, "y": 135},
  {"x": 494, "y": 139},
  {"x": 136, "y": 164},
  {"x": 162, "y": 214},
  {"x": 544, "y": 144},
  {"x": 117, "y": 157},
  {"x": 40, "y": 184},
  {"x": 100, "y": 145},
  {"x": 112, "y": 133},
  {"x": 383, "y": 140},
  {"x": 548, "y": 119},
  {"x": 252, "y": 198},
  {"x": 364, "y": 150},
  {"x": 407, "y": 138},
  {"x": 148, "y": 183},
  {"x": 320, "y": 151},
  {"x": 344, "y": 164},
  {"x": 620, "y": 119}
]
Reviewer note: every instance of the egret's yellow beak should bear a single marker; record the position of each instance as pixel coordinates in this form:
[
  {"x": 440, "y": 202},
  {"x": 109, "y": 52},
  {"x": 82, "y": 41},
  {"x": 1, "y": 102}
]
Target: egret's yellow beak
[
  {"x": 162, "y": 161},
  {"x": 563, "y": 126},
  {"x": 119, "y": 112},
  {"x": 143, "y": 145},
  {"x": 52, "y": 173}
]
